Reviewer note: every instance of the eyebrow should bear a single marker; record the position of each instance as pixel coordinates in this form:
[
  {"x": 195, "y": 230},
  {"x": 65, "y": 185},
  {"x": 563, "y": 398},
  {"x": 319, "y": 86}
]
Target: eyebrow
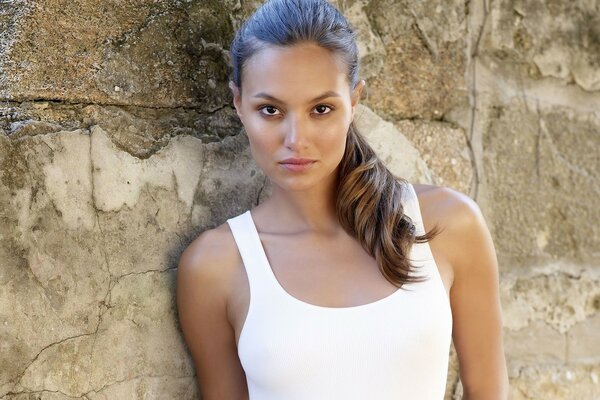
[{"x": 329, "y": 93}]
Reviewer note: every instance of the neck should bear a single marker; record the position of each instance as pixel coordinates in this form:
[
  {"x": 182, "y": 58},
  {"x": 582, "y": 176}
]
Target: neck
[{"x": 311, "y": 210}]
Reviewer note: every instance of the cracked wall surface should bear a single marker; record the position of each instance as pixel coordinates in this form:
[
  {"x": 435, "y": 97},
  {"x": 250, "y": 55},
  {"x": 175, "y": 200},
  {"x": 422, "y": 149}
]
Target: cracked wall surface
[{"x": 119, "y": 145}]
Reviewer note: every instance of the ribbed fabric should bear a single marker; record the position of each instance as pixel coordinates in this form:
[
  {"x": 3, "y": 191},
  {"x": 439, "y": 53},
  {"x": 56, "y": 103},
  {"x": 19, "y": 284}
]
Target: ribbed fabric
[{"x": 393, "y": 348}]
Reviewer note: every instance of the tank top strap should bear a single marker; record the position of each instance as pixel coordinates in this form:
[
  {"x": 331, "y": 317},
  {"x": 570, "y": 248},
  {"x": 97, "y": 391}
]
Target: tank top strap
[
  {"x": 412, "y": 209},
  {"x": 252, "y": 253},
  {"x": 421, "y": 254}
]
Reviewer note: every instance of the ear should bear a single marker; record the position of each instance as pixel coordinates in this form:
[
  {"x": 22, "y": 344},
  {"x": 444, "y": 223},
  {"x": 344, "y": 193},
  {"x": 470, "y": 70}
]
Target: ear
[
  {"x": 356, "y": 93},
  {"x": 237, "y": 98}
]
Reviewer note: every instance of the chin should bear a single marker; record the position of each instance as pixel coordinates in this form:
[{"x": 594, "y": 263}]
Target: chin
[
  {"x": 300, "y": 182},
  {"x": 294, "y": 185}
]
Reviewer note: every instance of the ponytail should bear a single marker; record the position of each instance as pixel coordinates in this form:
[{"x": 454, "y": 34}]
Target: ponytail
[{"x": 369, "y": 208}]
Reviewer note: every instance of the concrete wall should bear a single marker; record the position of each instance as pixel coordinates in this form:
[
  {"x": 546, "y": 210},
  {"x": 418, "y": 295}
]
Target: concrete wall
[{"x": 118, "y": 145}]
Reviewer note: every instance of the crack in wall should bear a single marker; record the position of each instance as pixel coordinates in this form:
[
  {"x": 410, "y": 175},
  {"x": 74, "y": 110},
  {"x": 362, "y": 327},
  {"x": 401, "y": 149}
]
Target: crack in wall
[
  {"x": 474, "y": 135},
  {"x": 38, "y": 392},
  {"x": 107, "y": 385},
  {"x": 427, "y": 42},
  {"x": 149, "y": 271},
  {"x": 22, "y": 374},
  {"x": 16, "y": 101},
  {"x": 103, "y": 306},
  {"x": 537, "y": 140},
  {"x": 95, "y": 391},
  {"x": 94, "y": 333}
]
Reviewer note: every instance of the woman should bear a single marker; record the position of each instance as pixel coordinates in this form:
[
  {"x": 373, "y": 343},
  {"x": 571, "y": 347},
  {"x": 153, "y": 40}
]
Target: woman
[{"x": 331, "y": 288}]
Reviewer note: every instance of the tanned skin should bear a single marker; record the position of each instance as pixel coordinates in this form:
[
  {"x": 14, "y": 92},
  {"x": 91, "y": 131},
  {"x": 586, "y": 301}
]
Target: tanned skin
[{"x": 300, "y": 233}]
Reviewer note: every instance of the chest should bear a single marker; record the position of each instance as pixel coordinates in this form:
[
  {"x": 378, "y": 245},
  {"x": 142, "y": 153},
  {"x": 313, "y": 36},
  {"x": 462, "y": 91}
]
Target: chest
[
  {"x": 317, "y": 271},
  {"x": 294, "y": 350}
]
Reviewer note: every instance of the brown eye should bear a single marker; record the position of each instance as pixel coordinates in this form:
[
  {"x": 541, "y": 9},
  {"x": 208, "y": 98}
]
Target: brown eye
[
  {"x": 322, "y": 108},
  {"x": 270, "y": 110}
]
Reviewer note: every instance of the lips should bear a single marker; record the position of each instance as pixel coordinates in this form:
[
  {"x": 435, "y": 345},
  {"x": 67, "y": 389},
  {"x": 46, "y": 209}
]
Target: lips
[
  {"x": 297, "y": 164},
  {"x": 297, "y": 161}
]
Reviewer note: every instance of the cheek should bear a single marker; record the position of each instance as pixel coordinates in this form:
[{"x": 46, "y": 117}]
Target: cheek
[
  {"x": 256, "y": 128},
  {"x": 263, "y": 141},
  {"x": 334, "y": 135}
]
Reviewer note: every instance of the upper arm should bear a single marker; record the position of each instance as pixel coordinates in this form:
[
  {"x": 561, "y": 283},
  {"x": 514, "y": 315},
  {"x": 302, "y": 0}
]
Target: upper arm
[
  {"x": 475, "y": 300},
  {"x": 202, "y": 310},
  {"x": 464, "y": 244}
]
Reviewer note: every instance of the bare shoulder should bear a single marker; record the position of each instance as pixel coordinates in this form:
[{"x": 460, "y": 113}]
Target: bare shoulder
[
  {"x": 457, "y": 215},
  {"x": 210, "y": 259},
  {"x": 454, "y": 207},
  {"x": 461, "y": 223},
  {"x": 453, "y": 210},
  {"x": 203, "y": 288},
  {"x": 466, "y": 245}
]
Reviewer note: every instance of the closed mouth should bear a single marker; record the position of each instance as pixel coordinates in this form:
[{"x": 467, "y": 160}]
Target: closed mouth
[{"x": 297, "y": 161}]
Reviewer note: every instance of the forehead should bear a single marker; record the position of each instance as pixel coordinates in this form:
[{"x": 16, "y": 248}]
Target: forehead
[{"x": 301, "y": 70}]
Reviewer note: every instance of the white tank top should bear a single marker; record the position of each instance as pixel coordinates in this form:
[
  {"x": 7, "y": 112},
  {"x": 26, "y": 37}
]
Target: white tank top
[{"x": 396, "y": 347}]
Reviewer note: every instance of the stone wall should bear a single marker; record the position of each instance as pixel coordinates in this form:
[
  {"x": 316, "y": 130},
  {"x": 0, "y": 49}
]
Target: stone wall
[{"x": 119, "y": 144}]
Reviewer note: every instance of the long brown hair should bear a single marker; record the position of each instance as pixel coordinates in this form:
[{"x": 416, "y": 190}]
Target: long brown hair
[
  {"x": 369, "y": 196},
  {"x": 369, "y": 207}
]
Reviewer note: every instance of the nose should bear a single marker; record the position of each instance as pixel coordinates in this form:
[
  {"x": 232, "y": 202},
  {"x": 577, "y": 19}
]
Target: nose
[{"x": 296, "y": 133}]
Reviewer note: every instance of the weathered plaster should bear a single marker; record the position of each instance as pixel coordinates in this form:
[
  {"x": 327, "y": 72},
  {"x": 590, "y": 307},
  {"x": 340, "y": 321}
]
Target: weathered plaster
[{"x": 119, "y": 144}]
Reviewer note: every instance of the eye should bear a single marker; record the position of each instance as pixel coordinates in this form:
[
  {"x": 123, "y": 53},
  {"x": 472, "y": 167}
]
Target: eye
[
  {"x": 270, "y": 110},
  {"x": 321, "y": 108}
]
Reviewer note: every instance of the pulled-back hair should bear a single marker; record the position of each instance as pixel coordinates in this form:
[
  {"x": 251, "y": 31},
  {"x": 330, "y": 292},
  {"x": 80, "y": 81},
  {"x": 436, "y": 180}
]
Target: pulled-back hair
[{"x": 368, "y": 202}]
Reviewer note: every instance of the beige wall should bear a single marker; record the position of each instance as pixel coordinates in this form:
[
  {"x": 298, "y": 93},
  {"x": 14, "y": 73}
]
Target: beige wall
[{"x": 118, "y": 145}]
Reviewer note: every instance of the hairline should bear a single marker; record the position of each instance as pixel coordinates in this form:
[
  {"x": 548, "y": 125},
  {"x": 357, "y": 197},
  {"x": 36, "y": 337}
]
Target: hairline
[{"x": 262, "y": 45}]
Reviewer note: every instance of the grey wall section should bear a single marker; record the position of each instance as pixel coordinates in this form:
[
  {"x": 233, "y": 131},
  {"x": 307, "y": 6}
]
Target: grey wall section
[{"x": 118, "y": 145}]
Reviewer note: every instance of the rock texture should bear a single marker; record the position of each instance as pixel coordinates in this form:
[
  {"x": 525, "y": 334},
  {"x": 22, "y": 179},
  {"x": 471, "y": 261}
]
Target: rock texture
[{"x": 119, "y": 144}]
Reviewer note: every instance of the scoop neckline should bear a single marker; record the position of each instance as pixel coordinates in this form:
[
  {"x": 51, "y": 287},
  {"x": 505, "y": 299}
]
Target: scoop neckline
[{"x": 286, "y": 294}]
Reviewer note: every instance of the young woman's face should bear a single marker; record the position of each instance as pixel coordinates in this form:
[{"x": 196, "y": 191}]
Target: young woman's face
[{"x": 296, "y": 103}]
